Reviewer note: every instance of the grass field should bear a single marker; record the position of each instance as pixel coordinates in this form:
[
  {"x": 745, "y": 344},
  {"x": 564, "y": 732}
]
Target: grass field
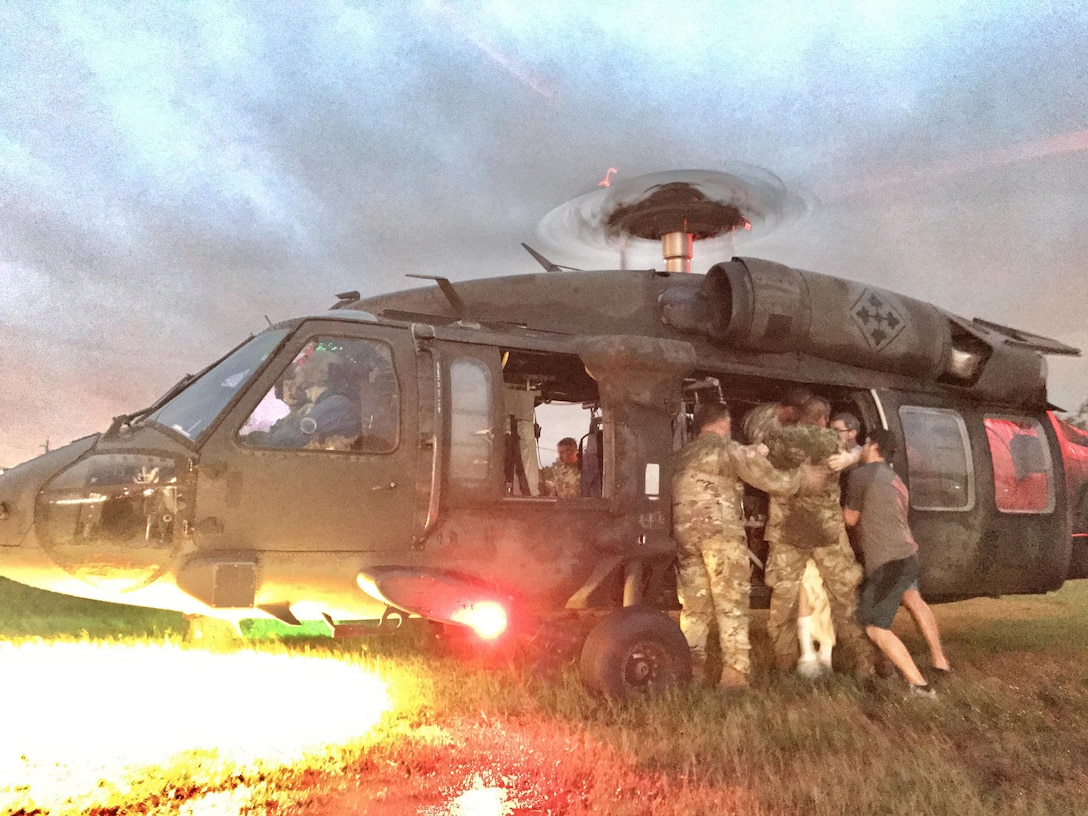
[{"x": 110, "y": 712}]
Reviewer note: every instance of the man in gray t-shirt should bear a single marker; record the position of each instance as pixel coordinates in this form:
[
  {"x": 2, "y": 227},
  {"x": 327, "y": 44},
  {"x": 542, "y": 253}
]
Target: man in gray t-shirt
[
  {"x": 879, "y": 496},
  {"x": 876, "y": 504}
]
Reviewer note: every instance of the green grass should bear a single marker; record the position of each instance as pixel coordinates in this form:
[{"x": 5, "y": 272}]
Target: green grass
[
  {"x": 25, "y": 611},
  {"x": 1008, "y": 734}
]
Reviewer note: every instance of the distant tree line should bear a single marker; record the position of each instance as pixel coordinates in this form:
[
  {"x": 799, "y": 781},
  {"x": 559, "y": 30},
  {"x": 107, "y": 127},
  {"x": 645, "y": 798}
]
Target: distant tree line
[{"x": 1079, "y": 417}]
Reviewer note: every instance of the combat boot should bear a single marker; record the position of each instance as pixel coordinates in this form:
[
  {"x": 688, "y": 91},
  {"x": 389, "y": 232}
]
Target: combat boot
[{"x": 733, "y": 681}]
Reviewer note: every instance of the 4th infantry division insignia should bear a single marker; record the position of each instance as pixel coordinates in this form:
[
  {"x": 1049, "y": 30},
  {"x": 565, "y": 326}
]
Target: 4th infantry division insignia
[{"x": 877, "y": 319}]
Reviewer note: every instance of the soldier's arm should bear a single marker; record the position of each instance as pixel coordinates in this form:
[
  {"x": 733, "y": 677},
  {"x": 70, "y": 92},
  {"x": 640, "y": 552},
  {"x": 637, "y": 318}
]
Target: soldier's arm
[
  {"x": 757, "y": 471},
  {"x": 843, "y": 459}
]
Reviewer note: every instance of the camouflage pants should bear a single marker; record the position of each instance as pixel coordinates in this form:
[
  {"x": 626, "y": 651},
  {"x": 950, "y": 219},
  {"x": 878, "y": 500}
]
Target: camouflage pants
[
  {"x": 841, "y": 575},
  {"x": 713, "y": 585}
]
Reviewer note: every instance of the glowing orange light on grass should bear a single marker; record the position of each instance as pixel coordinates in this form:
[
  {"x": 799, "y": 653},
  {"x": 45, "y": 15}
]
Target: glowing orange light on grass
[
  {"x": 486, "y": 618},
  {"x": 82, "y": 718}
]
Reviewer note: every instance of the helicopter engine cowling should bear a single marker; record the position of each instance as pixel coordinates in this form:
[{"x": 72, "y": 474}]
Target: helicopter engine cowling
[{"x": 763, "y": 307}]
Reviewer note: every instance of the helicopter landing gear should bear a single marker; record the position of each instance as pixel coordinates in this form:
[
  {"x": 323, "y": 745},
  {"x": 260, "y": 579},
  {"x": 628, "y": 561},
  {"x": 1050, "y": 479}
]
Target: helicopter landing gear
[{"x": 635, "y": 651}]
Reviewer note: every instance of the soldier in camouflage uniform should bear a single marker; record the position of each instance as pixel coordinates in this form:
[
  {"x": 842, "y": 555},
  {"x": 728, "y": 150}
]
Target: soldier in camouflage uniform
[
  {"x": 713, "y": 582},
  {"x": 768, "y": 416},
  {"x": 810, "y": 525},
  {"x": 759, "y": 423},
  {"x": 563, "y": 478}
]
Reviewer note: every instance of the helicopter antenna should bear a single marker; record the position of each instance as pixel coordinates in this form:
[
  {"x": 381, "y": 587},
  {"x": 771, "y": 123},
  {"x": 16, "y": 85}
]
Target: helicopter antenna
[
  {"x": 346, "y": 299},
  {"x": 540, "y": 259},
  {"x": 548, "y": 265},
  {"x": 454, "y": 299}
]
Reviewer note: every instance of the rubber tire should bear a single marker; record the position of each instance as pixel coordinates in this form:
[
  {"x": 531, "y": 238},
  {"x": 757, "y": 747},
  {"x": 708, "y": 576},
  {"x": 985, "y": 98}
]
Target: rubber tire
[{"x": 635, "y": 651}]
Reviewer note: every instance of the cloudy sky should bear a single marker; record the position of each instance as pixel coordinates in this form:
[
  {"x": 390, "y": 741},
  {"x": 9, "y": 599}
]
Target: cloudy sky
[{"x": 171, "y": 174}]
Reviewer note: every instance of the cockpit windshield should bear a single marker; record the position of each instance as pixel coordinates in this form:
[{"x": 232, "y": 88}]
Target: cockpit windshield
[{"x": 200, "y": 402}]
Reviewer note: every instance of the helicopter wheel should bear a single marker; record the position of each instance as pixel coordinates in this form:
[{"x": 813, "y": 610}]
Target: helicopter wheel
[{"x": 635, "y": 651}]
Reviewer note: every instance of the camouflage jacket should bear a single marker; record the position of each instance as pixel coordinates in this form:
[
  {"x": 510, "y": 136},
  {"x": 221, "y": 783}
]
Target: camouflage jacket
[
  {"x": 813, "y": 516},
  {"x": 791, "y": 446},
  {"x": 564, "y": 481},
  {"x": 760, "y": 422},
  {"x": 708, "y": 476}
]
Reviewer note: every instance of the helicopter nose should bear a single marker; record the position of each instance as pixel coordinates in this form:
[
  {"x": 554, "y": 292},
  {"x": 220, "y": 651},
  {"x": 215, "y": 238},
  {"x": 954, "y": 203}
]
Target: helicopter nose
[
  {"x": 9, "y": 533},
  {"x": 19, "y": 488},
  {"x": 17, "y": 504}
]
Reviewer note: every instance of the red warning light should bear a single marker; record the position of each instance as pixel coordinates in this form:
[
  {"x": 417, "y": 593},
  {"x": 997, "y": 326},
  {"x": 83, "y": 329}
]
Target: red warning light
[{"x": 486, "y": 618}]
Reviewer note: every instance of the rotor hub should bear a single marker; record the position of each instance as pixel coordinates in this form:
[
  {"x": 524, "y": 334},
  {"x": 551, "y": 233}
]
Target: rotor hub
[{"x": 676, "y": 208}]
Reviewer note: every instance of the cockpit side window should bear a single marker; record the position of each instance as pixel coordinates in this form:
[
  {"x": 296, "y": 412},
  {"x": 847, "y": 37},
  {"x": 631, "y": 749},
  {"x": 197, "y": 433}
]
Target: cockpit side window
[
  {"x": 939, "y": 466},
  {"x": 337, "y": 394},
  {"x": 1023, "y": 480}
]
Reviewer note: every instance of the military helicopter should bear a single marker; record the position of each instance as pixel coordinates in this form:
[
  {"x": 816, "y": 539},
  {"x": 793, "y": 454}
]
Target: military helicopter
[{"x": 377, "y": 462}]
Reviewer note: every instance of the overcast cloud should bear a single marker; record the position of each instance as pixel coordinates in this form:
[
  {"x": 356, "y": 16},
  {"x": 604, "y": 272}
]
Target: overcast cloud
[{"x": 173, "y": 173}]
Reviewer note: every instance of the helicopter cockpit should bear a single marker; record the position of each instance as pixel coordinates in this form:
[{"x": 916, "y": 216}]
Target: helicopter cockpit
[{"x": 336, "y": 394}]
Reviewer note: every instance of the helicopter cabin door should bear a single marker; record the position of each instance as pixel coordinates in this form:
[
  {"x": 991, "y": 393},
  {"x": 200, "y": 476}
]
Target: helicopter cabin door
[
  {"x": 321, "y": 455},
  {"x": 985, "y": 501}
]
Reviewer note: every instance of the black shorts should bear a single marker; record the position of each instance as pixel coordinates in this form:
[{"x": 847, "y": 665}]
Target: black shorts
[{"x": 882, "y": 591}]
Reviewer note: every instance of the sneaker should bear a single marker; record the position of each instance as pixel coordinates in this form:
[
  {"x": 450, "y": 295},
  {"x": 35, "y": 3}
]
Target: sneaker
[{"x": 921, "y": 692}]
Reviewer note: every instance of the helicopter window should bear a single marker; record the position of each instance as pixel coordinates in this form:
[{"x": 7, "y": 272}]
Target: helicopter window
[
  {"x": 569, "y": 454},
  {"x": 337, "y": 394},
  {"x": 470, "y": 422},
  {"x": 938, "y": 459},
  {"x": 129, "y": 499},
  {"x": 1022, "y": 468},
  {"x": 192, "y": 410},
  {"x": 553, "y": 426}
]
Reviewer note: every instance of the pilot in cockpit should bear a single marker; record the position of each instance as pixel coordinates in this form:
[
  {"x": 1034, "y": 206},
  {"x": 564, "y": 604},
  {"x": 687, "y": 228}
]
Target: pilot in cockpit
[{"x": 323, "y": 400}]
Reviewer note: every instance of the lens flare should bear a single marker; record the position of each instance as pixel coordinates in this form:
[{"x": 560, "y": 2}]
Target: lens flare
[
  {"x": 477, "y": 800},
  {"x": 76, "y": 713},
  {"x": 486, "y": 618}
]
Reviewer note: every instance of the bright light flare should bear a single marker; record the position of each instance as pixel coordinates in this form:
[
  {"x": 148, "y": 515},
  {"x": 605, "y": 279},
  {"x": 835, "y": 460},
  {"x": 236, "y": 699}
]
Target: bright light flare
[
  {"x": 478, "y": 800},
  {"x": 77, "y": 713},
  {"x": 486, "y": 618}
]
